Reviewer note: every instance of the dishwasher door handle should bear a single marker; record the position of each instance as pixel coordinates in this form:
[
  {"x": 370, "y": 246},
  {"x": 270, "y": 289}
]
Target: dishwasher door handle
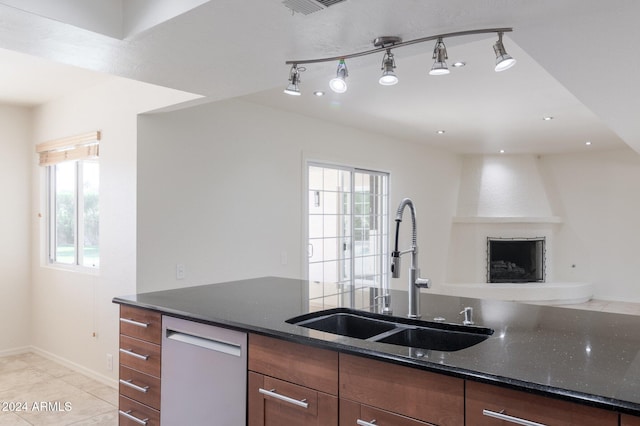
[{"x": 204, "y": 342}]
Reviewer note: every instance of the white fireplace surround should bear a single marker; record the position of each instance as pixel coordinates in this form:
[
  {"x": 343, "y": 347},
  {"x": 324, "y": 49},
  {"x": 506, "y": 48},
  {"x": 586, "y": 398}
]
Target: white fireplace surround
[{"x": 504, "y": 196}]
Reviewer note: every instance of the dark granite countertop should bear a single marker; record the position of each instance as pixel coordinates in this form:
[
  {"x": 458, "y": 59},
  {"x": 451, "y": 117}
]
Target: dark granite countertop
[{"x": 581, "y": 356}]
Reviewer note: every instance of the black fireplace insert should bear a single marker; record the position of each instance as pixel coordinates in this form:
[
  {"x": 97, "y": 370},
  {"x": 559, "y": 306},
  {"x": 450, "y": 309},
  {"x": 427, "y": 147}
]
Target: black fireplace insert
[{"x": 515, "y": 260}]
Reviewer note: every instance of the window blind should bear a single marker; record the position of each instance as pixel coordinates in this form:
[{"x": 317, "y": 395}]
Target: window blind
[{"x": 80, "y": 147}]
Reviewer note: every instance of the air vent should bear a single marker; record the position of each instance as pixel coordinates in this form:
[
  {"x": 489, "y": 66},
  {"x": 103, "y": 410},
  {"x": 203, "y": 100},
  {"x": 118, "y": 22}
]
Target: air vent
[
  {"x": 309, "y": 6},
  {"x": 327, "y": 3}
]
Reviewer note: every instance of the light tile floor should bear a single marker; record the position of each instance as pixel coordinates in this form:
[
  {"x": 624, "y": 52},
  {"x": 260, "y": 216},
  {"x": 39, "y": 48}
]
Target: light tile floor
[
  {"x": 31, "y": 379},
  {"x": 27, "y": 381}
]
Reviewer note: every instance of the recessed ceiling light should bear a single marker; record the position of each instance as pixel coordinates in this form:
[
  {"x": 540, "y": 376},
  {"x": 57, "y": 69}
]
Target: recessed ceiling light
[
  {"x": 588, "y": 143},
  {"x": 440, "y": 132},
  {"x": 459, "y": 64},
  {"x": 318, "y": 93},
  {"x": 502, "y": 151},
  {"x": 547, "y": 118}
]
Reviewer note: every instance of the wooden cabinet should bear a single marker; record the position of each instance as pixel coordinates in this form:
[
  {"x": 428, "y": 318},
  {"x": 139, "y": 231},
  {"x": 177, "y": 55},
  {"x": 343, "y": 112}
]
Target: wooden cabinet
[
  {"x": 140, "y": 337},
  {"x": 627, "y": 420},
  {"x": 416, "y": 394},
  {"x": 295, "y": 384},
  {"x": 488, "y": 405},
  {"x": 291, "y": 384},
  {"x": 354, "y": 414}
]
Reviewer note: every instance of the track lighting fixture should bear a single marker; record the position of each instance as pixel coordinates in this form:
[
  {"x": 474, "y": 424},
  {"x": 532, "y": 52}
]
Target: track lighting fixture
[
  {"x": 388, "y": 77},
  {"x": 339, "y": 83},
  {"x": 385, "y": 44},
  {"x": 439, "y": 66},
  {"x": 504, "y": 61},
  {"x": 294, "y": 80}
]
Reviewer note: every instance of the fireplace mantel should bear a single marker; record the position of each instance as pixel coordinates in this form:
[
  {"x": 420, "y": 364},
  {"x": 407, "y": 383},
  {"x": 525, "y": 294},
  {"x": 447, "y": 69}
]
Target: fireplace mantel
[{"x": 507, "y": 219}]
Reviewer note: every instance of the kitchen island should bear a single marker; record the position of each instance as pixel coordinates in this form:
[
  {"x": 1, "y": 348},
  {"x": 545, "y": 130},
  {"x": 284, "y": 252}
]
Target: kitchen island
[{"x": 588, "y": 358}]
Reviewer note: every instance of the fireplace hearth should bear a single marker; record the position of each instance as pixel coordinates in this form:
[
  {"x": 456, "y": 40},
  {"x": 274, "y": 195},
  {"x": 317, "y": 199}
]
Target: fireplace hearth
[{"x": 515, "y": 260}]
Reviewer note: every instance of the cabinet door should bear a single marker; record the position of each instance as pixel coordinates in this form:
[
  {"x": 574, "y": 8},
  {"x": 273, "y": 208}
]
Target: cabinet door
[
  {"x": 274, "y": 402},
  {"x": 627, "y": 420},
  {"x": 488, "y": 405},
  {"x": 413, "y": 393},
  {"x": 354, "y": 414},
  {"x": 292, "y": 362}
]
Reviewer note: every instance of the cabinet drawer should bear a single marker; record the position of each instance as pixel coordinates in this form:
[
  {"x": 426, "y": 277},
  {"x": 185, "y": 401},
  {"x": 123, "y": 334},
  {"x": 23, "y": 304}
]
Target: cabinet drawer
[
  {"x": 485, "y": 400},
  {"x": 627, "y": 420},
  {"x": 310, "y": 367},
  {"x": 418, "y": 394},
  {"x": 140, "y": 355},
  {"x": 141, "y": 324},
  {"x": 276, "y": 402},
  {"x": 354, "y": 414},
  {"x": 140, "y": 387},
  {"x": 130, "y": 409}
]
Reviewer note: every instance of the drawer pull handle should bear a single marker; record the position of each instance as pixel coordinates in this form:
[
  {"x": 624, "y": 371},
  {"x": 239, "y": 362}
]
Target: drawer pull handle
[
  {"x": 360, "y": 422},
  {"x": 130, "y": 384},
  {"x": 128, "y": 415},
  {"x": 515, "y": 420},
  {"x": 133, "y": 354},
  {"x": 136, "y": 323},
  {"x": 272, "y": 393}
]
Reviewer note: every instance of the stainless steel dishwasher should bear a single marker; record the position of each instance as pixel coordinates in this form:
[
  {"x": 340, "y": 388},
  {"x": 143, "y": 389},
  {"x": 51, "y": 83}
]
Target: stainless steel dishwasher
[{"x": 204, "y": 374}]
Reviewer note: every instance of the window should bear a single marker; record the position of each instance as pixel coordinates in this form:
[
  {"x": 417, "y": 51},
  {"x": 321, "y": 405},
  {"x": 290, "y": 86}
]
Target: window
[
  {"x": 347, "y": 226},
  {"x": 73, "y": 213},
  {"x": 73, "y": 184}
]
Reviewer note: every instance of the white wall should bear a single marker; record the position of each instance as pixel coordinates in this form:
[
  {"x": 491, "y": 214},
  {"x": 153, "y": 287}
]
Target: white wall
[
  {"x": 220, "y": 190},
  {"x": 502, "y": 186},
  {"x": 598, "y": 196},
  {"x": 15, "y": 176},
  {"x": 67, "y": 307},
  {"x": 595, "y": 194}
]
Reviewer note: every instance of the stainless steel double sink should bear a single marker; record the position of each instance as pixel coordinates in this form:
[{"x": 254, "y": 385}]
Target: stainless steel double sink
[{"x": 438, "y": 336}]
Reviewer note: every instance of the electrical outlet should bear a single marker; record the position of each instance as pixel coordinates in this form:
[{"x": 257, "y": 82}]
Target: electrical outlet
[
  {"x": 180, "y": 271},
  {"x": 109, "y": 362}
]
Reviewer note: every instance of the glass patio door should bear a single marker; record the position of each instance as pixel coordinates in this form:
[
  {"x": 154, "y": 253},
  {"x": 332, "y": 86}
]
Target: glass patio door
[{"x": 347, "y": 226}]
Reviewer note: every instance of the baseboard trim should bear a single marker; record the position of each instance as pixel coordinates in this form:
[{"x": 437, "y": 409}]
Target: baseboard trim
[
  {"x": 73, "y": 366},
  {"x": 15, "y": 351}
]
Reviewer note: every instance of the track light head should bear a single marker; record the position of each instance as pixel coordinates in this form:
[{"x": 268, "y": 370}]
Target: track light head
[
  {"x": 504, "y": 61},
  {"x": 388, "y": 77},
  {"x": 440, "y": 57},
  {"x": 339, "y": 83},
  {"x": 294, "y": 80}
]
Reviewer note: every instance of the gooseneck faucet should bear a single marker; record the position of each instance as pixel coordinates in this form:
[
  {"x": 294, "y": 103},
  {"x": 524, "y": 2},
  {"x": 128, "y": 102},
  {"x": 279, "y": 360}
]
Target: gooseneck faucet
[{"x": 415, "y": 282}]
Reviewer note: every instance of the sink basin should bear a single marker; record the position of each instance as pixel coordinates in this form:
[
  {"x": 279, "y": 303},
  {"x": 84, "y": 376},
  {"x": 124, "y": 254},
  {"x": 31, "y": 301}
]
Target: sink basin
[
  {"x": 393, "y": 330},
  {"x": 348, "y": 324},
  {"x": 434, "y": 339}
]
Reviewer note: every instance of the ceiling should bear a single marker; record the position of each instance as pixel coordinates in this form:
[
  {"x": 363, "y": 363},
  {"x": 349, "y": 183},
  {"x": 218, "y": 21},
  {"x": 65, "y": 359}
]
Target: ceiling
[
  {"x": 27, "y": 80},
  {"x": 575, "y": 63}
]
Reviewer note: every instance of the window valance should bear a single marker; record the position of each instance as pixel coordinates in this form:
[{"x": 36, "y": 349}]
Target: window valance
[{"x": 80, "y": 147}]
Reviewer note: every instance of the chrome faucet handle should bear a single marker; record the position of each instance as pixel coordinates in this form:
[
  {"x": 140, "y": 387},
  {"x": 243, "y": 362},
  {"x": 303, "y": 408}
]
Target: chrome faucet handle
[
  {"x": 423, "y": 282},
  {"x": 468, "y": 315}
]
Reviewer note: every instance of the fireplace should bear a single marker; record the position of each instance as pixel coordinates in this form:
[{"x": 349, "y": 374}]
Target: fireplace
[{"x": 515, "y": 260}]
